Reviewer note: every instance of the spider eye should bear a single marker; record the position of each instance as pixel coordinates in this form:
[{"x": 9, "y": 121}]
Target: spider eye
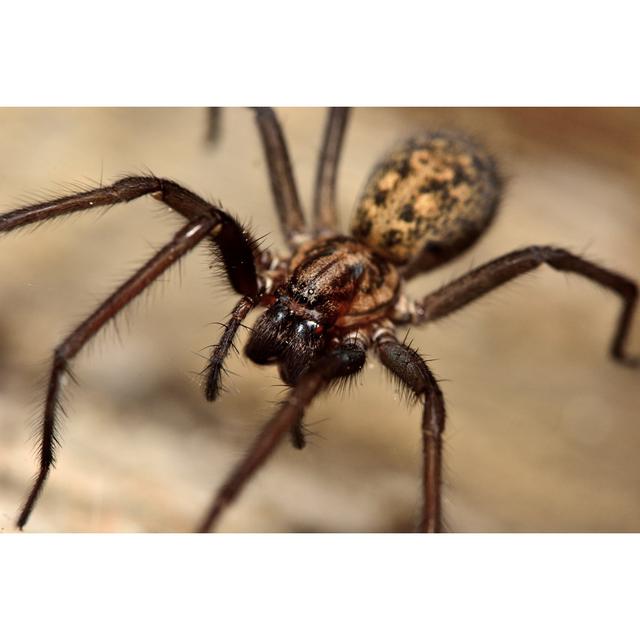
[
  {"x": 307, "y": 327},
  {"x": 279, "y": 312}
]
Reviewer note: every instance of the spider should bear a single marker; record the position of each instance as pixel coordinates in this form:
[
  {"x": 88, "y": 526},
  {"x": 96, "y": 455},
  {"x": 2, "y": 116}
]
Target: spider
[{"x": 336, "y": 296}]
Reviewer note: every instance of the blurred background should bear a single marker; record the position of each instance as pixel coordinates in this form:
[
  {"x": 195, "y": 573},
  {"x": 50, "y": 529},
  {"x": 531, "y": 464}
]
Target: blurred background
[{"x": 543, "y": 431}]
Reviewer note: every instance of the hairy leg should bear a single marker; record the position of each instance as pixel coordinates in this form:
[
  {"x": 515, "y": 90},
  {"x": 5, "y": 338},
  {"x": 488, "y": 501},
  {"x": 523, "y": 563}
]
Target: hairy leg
[
  {"x": 476, "y": 283},
  {"x": 236, "y": 248},
  {"x": 215, "y": 368},
  {"x": 345, "y": 360},
  {"x": 283, "y": 184},
  {"x": 298, "y": 436},
  {"x": 325, "y": 215},
  {"x": 412, "y": 371},
  {"x": 185, "y": 240}
]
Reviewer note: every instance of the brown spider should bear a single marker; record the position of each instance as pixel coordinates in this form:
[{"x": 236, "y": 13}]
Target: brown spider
[{"x": 336, "y": 295}]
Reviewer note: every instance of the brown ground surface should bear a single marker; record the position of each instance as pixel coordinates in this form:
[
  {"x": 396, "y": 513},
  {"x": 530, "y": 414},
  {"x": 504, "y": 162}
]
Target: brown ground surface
[{"x": 543, "y": 431}]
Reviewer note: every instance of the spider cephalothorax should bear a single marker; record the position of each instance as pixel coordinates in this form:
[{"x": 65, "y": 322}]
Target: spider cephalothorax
[
  {"x": 332, "y": 287},
  {"x": 334, "y": 296}
]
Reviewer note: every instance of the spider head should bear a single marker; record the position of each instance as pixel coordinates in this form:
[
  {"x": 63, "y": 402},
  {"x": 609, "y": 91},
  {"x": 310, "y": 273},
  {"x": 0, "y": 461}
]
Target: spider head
[{"x": 292, "y": 339}]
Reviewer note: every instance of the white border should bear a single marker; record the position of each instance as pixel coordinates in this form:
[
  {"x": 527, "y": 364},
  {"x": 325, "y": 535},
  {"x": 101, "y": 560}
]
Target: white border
[
  {"x": 320, "y": 586},
  {"x": 539, "y": 53}
]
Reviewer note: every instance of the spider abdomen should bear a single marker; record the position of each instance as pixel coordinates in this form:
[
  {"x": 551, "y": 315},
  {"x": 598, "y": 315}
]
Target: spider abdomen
[{"x": 428, "y": 200}]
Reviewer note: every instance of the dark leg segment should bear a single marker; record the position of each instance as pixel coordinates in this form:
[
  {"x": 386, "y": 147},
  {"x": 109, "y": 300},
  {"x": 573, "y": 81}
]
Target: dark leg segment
[
  {"x": 214, "y": 116},
  {"x": 185, "y": 240},
  {"x": 298, "y": 436},
  {"x": 215, "y": 369},
  {"x": 283, "y": 185},
  {"x": 411, "y": 370},
  {"x": 346, "y": 360},
  {"x": 324, "y": 200},
  {"x": 237, "y": 249},
  {"x": 476, "y": 283}
]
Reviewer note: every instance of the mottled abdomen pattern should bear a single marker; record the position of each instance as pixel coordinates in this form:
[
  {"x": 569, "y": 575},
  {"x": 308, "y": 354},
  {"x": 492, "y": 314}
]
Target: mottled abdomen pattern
[{"x": 428, "y": 200}]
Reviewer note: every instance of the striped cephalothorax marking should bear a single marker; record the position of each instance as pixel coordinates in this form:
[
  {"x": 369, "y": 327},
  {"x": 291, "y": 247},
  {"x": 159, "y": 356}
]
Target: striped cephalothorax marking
[{"x": 335, "y": 296}]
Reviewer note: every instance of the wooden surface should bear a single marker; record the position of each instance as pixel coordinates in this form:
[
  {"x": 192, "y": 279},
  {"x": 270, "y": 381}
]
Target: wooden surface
[{"x": 543, "y": 431}]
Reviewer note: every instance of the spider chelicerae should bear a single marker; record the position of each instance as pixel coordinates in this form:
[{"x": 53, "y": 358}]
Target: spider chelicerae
[{"x": 336, "y": 296}]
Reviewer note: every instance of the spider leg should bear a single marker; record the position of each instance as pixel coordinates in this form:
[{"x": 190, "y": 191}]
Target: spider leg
[
  {"x": 346, "y": 360},
  {"x": 283, "y": 184},
  {"x": 215, "y": 368},
  {"x": 237, "y": 249},
  {"x": 183, "y": 241},
  {"x": 298, "y": 436},
  {"x": 410, "y": 369},
  {"x": 324, "y": 199},
  {"x": 214, "y": 116},
  {"x": 487, "y": 277}
]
